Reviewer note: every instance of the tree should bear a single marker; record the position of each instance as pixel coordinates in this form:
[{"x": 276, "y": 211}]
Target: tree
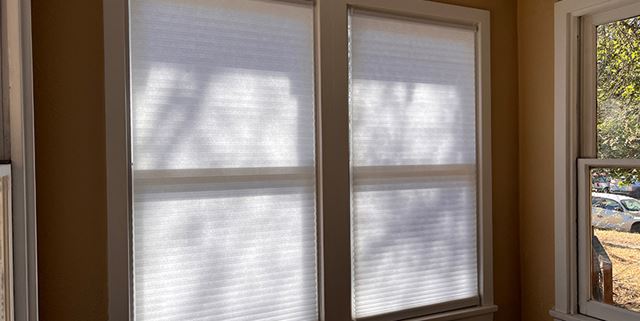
[{"x": 618, "y": 93}]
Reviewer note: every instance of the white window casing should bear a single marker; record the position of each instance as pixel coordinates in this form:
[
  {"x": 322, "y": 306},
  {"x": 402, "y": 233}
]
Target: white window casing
[{"x": 17, "y": 92}]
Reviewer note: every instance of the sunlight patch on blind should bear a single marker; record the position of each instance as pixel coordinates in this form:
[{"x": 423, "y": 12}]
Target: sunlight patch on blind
[
  {"x": 223, "y": 160},
  {"x": 413, "y": 156}
]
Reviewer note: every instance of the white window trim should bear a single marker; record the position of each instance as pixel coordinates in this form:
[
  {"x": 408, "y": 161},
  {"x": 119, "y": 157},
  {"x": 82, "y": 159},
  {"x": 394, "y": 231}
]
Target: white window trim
[
  {"x": 332, "y": 96},
  {"x": 18, "y": 86},
  {"x": 569, "y": 95}
]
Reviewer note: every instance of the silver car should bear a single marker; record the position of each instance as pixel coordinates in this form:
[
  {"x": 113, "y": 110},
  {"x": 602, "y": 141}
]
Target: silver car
[{"x": 615, "y": 212}]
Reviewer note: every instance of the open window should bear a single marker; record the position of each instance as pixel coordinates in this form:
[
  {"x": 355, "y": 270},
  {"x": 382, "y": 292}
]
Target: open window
[{"x": 597, "y": 160}]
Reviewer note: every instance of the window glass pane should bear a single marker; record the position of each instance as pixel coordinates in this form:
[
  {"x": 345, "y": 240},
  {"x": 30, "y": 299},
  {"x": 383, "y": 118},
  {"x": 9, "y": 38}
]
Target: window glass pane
[
  {"x": 618, "y": 89},
  {"x": 615, "y": 221},
  {"x": 413, "y": 157},
  {"x": 223, "y": 148}
]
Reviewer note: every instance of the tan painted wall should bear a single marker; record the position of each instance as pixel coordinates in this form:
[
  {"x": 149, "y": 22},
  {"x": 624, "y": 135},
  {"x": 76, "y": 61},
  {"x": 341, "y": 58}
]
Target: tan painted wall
[
  {"x": 504, "y": 96},
  {"x": 70, "y": 161},
  {"x": 535, "y": 48},
  {"x": 68, "y": 74}
]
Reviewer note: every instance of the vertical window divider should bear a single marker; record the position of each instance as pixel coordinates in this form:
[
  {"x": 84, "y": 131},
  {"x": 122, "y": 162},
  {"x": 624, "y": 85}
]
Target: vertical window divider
[{"x": 333, "y": 159}]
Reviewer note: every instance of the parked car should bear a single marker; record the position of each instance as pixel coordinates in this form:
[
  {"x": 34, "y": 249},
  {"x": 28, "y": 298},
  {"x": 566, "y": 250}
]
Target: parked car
[
  {"x": 600, "y": 183},
  {"x": 621, "y": 203},
  {"x": 615, "y": 212},
  {"x": 620, "y": 187}
]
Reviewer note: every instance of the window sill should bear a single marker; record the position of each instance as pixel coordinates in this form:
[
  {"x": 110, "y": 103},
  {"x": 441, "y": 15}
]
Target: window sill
[
  {"x": 561, "y": 316},
  {"x": 481, "y": 313}
]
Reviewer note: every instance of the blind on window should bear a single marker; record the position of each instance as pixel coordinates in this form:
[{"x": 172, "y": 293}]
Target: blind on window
[
  {"x": 413, "y": 155},
  {"x": 223, "y": 160}
]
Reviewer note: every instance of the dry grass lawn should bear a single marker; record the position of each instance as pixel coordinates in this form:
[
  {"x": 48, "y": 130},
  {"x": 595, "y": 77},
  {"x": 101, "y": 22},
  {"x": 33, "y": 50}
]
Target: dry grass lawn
[{"x": 624, "y": 252}]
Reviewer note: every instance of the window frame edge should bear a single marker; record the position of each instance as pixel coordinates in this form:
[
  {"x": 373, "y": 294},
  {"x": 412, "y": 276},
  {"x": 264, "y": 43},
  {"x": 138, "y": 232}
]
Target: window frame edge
[
  {"x": 116, "y": 70},
  {"x": 17, "y": 54}
]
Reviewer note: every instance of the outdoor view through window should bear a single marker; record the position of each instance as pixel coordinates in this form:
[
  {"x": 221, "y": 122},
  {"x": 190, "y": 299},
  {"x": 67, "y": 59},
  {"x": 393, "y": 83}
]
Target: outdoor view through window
[{"x": 615, "y": 209}]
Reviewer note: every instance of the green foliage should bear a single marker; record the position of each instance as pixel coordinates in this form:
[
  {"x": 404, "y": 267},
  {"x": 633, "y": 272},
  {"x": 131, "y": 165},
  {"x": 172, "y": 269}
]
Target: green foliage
[{"x": 618, "y": 93}]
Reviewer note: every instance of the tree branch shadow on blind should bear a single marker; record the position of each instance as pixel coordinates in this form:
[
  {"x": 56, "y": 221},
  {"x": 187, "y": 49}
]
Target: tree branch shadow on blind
[
  {"x": 223, "y": 85},
  {"x": 413, "y": 106}
]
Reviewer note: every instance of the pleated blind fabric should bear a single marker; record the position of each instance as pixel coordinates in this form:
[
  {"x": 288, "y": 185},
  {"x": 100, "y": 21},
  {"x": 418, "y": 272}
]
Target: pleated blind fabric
[
  {"x": 223, "y": 160},
  {"x": 413, "y": 155}
]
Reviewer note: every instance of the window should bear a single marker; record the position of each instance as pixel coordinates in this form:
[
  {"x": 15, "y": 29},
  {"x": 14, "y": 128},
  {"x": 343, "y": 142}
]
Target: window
[
  {"x": 606, "y": 204},
  {"x": 631, "y": 204},
  {"x": 222, "y": 146},
  {"x": 597, "y": 50},
  {"x": 271, "y": 161},
  {"x": 413, "y": 156},
  {"x": 609, "y": 121}
]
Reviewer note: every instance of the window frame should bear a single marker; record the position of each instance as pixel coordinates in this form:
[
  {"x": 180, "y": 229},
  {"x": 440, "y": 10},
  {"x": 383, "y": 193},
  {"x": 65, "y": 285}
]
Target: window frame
[
  {"x": 332, "y": 154},
  {"x": 400, "y": 13},
  {"x": 18, "y": 146},
  {"x": 575, "y": 153}
]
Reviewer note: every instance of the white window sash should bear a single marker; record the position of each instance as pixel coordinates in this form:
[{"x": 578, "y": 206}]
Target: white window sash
[{"x": 587, "y": 305}]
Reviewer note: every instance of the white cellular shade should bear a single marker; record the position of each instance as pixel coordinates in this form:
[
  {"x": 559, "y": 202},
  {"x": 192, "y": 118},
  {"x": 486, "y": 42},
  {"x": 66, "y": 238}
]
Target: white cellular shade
[
  {"x": 220, "y": 84},
  {"x": 413, "y": 155},
  {"x": 222, "y": 121}
]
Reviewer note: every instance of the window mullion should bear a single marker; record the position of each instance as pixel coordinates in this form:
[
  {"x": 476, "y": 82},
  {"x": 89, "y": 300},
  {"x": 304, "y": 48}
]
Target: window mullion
[{"x": 333, "y": 160}]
